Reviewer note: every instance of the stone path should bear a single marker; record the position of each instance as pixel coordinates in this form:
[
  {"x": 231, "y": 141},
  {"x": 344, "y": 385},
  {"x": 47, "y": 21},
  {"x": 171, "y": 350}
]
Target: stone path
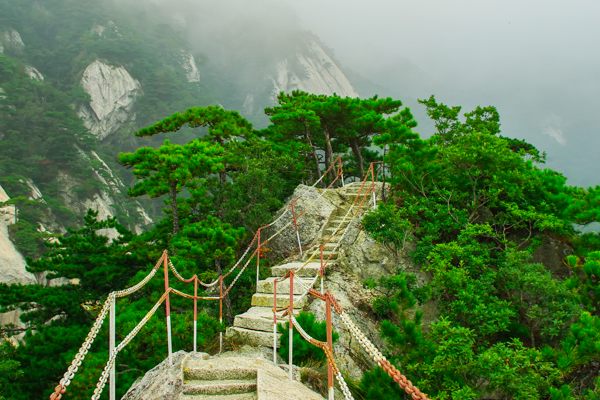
[{"x": 255, "y": 326}]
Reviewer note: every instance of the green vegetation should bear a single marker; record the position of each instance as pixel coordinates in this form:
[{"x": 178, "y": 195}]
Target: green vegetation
[
  {"x": 303, "y": 351},
  {"x": 477, "y": 207}
]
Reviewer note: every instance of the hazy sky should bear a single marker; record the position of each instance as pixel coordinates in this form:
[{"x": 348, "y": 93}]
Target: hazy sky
[{"x": 537, "y": 61}]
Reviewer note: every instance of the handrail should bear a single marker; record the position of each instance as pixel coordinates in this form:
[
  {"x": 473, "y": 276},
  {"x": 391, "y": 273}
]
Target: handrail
[{"x": 110, "y": 303}]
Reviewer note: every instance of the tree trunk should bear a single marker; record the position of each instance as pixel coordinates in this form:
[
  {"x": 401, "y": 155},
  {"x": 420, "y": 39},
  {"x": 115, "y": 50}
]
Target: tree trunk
[
  {"x": 314, "y": 151},
  {"x": 359, "y": 158},
  {"x": 174, "y": 208},
  {"x": 328, "y": 150},
  {"x": 227, "y": 299}
]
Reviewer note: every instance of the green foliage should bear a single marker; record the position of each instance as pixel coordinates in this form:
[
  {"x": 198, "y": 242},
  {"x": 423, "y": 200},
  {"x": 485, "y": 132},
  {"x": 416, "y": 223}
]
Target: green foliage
[
  {"x": 386, "y": 225},
  {"x": 9, "y": 369},
  {"x": 586, "y": 280},
  {"x": 303, "y": 351}
]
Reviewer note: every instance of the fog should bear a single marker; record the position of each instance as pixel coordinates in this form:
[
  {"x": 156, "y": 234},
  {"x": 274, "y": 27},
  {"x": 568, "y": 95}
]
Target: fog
[{"x": 536, "y": 61}]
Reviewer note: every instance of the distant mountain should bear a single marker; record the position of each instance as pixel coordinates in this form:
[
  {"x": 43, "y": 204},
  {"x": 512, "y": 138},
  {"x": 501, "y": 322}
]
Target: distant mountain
[{"x": 77, "y": 79}]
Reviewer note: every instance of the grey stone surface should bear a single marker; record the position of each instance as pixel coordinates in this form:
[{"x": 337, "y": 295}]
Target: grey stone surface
[
  {"x": 113, "y": 92},
  {"x": 242, "y": 374}
]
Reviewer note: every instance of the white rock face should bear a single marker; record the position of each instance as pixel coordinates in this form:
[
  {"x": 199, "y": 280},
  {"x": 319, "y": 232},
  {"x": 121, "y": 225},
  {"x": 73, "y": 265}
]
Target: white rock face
[
  {"x": 189, "y": 64},
  {"x": 12, "y": 39},
  {"x": 323, "y": 75},
  {"x": 113, "y": 92},
  {"x": 99, "y": 202},
  {"x": 12, "y": 263},
  {"x": 34, "y": 73}
]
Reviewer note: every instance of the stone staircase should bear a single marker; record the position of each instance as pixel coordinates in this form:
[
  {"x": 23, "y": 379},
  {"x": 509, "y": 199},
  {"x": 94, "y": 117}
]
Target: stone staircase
[
  {"x": 224, "y": 381},
  {"x": 240, "y": 375},
  {"x": 255, "y": 326}
]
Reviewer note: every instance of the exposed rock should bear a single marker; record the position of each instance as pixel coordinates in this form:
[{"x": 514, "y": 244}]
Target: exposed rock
[
  {"x": 12, "y": 263},
  {"x": 11, "y": 39},
  {"x": 34, "y": 73},
  {"x": 189, "y": 64},
  {"x": 99, "y": 202},
  {"x": 322, "y": 75},
  {"x": 551, "y": 253},
  {"x": 243, "y": 374},
  {"x": 161, "y": 382},
  {"x": 13, "y": 318},
  {"x": 113, "y": 92},
  {"x": 318, "y": 209}
]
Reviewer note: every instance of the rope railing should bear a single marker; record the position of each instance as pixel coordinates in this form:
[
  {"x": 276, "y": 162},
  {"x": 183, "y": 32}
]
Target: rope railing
[{"x": 109, "y": 307}]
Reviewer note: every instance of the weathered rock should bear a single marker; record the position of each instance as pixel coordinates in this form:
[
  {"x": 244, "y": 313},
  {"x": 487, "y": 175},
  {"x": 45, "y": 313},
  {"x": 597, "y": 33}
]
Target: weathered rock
[
  {"x": 551, "y": 253},
  {"x": 162, "y": 382},
  {"x": 322, "y": 75},
  {"x": 34, "y": 73},
  {"x": 189, "y": 65},
  {"x": 11, "y": 40},
  {"x": 113, "y": 92},
  {"x": 317, "y": 204},
  {"x": 12, "y": 263},
  {"x": 243, "y": 374}
]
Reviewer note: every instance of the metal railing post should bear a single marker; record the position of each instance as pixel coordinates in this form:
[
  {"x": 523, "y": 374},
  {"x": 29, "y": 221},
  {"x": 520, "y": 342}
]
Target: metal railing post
[
  {"x": 322, "y": 269},
  {"x": 330, "y": 345},
  {"x": 111, "y": 347},
  {"x": 297, "y": 232},
  {"x": 275, "y": 321},
  {"x": 221, "y": 312},
  {"x": 373, "y": 186},
  {"x": 291, "y": 308},
  {"x": 168, "y": 312},
  {"x": 195, "y": 312},
  {"x": 257, "y": 260}
]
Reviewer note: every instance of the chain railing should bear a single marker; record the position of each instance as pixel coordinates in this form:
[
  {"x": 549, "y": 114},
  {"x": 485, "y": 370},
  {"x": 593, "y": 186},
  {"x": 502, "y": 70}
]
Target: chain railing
[{"x": 109, "y": 307}]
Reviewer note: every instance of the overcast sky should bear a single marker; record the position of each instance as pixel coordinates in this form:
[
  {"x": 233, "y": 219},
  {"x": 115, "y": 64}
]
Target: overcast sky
[{"x": 537, "y": 61}]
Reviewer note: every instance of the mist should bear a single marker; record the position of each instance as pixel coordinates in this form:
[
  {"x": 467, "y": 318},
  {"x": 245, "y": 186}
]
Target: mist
[{"x": 536, "y": 61}]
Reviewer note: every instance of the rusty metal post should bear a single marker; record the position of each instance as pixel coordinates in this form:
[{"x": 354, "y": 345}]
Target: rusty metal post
[
  {"x": 330, "y": 345},
  {"x": 373, "y": 185},
  {"x": 297, "y": 232},
  {"x": 111, "y": 348},
  {"x": 291, "y": 309},
  {"x": 257, "y": 260},
  {"x": 221, "y": 312},
  {"x": 168, "y": 312},
  {"x": 275, "y": 321}
]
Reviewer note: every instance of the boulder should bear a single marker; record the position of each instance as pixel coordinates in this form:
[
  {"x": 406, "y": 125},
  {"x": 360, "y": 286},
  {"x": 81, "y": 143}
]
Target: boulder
[
  {"x": 317, "y": 205},
  {"x": 113, "y": 92}
]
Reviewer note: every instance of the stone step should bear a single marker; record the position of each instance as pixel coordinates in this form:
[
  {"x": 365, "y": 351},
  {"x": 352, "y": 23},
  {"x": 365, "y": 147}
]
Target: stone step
[
  {"x": 310, "y": 270},
  {"x": 206, "y": 371},
  {"x": 219, "y": 386},
  {"x": 267, "y": 300},
  {"x": 267, "y": 285},
  {"x": 243, "y": 396},
  {"x": 253, "y": 338},
  {"x": 256, "y": 318}
]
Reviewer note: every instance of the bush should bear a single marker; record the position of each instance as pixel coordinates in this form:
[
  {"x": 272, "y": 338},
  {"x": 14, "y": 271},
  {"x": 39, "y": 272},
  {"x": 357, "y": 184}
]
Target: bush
[{"x": 303, "y": 350}]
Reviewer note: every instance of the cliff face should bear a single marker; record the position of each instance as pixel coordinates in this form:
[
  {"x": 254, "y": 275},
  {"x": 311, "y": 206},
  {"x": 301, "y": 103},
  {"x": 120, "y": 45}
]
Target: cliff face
[
  {"x": 321, "y": 75},
  {"x": 12, "y": 263},
  {"x": 113, "y": 92}
]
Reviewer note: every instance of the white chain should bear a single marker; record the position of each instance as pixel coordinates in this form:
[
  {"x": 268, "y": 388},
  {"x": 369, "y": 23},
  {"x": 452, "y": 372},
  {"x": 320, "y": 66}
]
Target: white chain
[
  {"x": 344, "y": 386},
  {"x": 111, "y": 361}
]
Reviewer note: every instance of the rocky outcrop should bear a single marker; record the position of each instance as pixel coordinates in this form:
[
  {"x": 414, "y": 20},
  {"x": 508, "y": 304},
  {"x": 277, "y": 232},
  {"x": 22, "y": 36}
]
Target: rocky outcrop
[
  {"x": 34, "y": 73},
  {"x": 101, "y": 202},
  {"x": 321, "y": 75},
  {"x": 113, "y": 92},
  {"x": 11, "y": 40},
  {"x": 188, "y": 63},
  {"x": 12, "y": 263},
  {"x": 245, "y": 374}
]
